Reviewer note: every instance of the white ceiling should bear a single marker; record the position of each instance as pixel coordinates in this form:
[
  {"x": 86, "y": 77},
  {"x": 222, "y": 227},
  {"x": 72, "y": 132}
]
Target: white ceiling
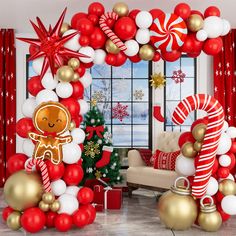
[{"x": 16, "y": 13}]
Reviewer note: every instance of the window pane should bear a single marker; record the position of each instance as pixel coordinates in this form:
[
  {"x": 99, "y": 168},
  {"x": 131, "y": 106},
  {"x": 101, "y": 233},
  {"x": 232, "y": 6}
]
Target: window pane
[
  {"x": 121, "y": 135},
  {"x": 121, "y": 113},
  {"x": 140, "y": 90},
  {"x": 101, "y": 71},
  {"x": 187, "y": 66},
  {"x": 105, "y": 108},
  {"x": 87, "y": 94},
  {"x": 123, "y": 71},
  {"x": 121, "y": 89},
  {"x": 140, "y": 69},
  {"x": 187, "y": 87},
  {"x": 30, "y": 69},
  {"x": 140, "y": 113},
  {"x": 171, "y": 67},
  {"x": 140, "y": 135},
  {"x": 172, "y": 90},
  {"x": 170, "y": 106},
  {"x": 101, "y": 90}
]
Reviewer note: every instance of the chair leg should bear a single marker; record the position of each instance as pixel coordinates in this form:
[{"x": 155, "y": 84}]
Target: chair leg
[{"x": 130, "y": 191}]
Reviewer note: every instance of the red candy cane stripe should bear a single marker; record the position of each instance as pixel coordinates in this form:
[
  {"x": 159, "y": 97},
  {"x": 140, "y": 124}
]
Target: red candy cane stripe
[
  {"x": 110, "y": 34},
  {"x": 207, "y": 154},
  {"x": 43, "y": 169}
]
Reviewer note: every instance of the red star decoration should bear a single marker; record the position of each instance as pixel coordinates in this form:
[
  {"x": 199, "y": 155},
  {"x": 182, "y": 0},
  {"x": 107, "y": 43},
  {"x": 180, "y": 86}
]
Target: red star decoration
[{"x": 51, "y": 45}]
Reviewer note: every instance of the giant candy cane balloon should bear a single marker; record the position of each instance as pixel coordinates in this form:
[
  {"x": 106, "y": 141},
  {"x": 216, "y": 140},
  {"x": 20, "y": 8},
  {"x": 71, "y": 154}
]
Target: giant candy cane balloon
[{"x": 211, "y": 139}]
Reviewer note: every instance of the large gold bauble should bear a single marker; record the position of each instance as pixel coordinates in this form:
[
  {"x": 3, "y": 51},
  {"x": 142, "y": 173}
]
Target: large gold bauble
[
  {"x": 146, "y": 52},
  {"x": 195, "y": 22},
  {"x": 74, "y": 63},
  {"x": 44, "y": 206},
  {"x": 121, "y": 9},
  {"x": 48, "y": 198},
  {"x": 198, "y": 132},
  {"x": 23, "y": 190},
  {"x": 65, "y": 73},
  {"x": 188, "y": 150},
  {"x": 55, "y": 206},
  {"x": 65, "y": 27},
  {"x": 76, "y": 77},
  {"x": 177, "y": 208},
  {"x": 197, "y": 146},
  {"x": 13, "y": 220},
  {"x": 111, "y": 47},
  {"x": 227, "y": 187}
]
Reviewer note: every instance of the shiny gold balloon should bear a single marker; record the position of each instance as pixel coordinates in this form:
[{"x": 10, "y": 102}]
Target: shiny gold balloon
[
  {"x": 76, "y": 77},
  {"x": 72, "y": 125},
  {"x": 188, "y": 150},
  {"x": 74, "y": 63},
  {"x": 55, "y": 206},
  {"x": 227, "y": 187},
  {"x": 121, "y": 9},
  {"x": 48, "y": 198},
  {"x": 65, "y": 27},
  {"x": 23, "y": 190},
  {"x": 65, "y": 73},
  {"x": 111, "y": 47},
  {"x": 13, "y": 220},
  {"x": 197, "y": 146},
  {"x": 44, "y": 206},
  {"x": 195, "y": 22},
  {"x": 199, "y": 132},
  {"x": 146, "y": 52}
]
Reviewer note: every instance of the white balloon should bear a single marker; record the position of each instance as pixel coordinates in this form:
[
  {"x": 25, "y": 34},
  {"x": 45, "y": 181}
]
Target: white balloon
[
  {"x": 71, "y": 153},
  {"x": 64, "y": 89},
  {"x": 73, "y": 43},
  {"x": 224, "y": 144},
  {"x": 86, "y": 79},
  {"x": 87, "y": 51},
  {"x": 28, "y": 147},
  {"x": 143, "y": 19},
  {"x": 228, "y": 204},
  {"x": 49, "y": 82},
  {"x": 78, "y": 135},
  {"x": 28, "y": 107},
  {"x": 132, "y": 48},
  {"x": 231, "y": 132},
  {"x": 72, "y": 190},
  {"x": 212, "y": 186},
  {"x": 37, "y": 65},
  {"x": 58, "y": 187},
  {"x": 99, "y": 57},
  {"x": 201, "y": 35},
  {"x": 224, "y": 160},
  {"x": 84, "y": 107},
  {"x": 225, "y": 126},
  {"x": 230, "y": 176},
  {"x": 226, "y": 27},
  {"x": 142, "y": 36},
  {"x": 185, "y": 166},
  {"x": 213, "y": 25},
  {"x": 68, "y": 204},
  {"x": 46, "y": 95}
]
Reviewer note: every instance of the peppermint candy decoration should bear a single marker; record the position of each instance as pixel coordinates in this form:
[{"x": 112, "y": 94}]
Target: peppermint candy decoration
[{"x": 168, "y": 32}]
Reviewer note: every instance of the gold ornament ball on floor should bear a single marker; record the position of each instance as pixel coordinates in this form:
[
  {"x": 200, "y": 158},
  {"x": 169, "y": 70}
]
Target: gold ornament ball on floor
[
  {"x": 121, "y": 9},
  {"x": 197, "y": 146},
  {"x": 111, "y": 47},
  {"x": 227, "y": 187},
  {"x": 55, "y": 206},
  {"x": 65, "y": 27},
  {"x": 146, "y": 52},
  {"x": 188, "y": 150},
  {"x": 74, "y": 63},
  {"x": 65, "y": 73},
  {"x": 23, "y": 190},
  {"x": 44, "y": 206},
  {"x": 195, "y": 22},
  {"x": 199, "y": 132},
  {"x": 48, "y": 198},
  {"x": 13, "y": 220}
]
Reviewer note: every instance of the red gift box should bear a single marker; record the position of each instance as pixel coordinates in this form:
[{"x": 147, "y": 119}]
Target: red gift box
[{"x": 99, "y": 207}]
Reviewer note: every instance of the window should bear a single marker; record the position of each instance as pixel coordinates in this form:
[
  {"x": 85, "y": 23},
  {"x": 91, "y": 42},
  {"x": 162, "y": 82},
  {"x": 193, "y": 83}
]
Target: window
[{"x": 180, "y": 83}]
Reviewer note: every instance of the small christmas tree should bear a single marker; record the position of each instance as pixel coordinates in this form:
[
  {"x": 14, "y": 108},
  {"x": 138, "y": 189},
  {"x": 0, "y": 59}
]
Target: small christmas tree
[{"x": 99, "y": 158}]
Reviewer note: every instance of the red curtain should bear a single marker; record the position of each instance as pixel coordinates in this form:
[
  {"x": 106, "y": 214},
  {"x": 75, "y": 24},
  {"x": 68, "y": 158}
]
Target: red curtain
[
  {"x": 225, "y": 77},
  {"x": 7, "y": 99}
]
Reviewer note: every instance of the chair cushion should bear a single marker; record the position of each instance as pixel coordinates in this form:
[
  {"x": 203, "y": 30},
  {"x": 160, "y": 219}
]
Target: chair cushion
[{"x": 146, "y": 155}]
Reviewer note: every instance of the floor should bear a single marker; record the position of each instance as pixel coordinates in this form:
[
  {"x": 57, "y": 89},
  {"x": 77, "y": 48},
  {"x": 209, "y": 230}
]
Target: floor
[{"x": 137, "y": 218}]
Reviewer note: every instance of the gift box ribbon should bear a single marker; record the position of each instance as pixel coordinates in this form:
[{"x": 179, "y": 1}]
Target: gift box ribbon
[
  {"x": 105, "y": 195},
  {"x": 90, "y": 130}
]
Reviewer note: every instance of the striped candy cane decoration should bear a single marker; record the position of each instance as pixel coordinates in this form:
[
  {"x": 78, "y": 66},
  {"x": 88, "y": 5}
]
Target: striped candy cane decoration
[
  {"x": 211, "y": 139},
  {"x": 110, "y": 34},
  {"x": 43, "y": 169}
]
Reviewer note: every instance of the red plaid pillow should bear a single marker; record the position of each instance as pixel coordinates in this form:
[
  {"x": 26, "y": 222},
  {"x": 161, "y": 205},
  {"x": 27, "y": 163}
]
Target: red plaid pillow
[
  {"x": 146, "y": 155},
  {"x": 165, "y": 160}
]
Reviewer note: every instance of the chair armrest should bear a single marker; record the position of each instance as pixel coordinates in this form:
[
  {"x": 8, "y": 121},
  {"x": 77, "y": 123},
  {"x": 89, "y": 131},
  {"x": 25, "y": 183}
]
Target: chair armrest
[{"x": 134, "y": 159}]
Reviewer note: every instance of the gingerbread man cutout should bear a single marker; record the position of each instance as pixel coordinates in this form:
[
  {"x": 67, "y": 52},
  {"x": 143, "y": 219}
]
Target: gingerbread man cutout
[{"x": 51, "y": 119}]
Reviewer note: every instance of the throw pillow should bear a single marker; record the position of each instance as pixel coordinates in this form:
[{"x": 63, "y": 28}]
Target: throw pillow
[{"x": 146, "y": 155}]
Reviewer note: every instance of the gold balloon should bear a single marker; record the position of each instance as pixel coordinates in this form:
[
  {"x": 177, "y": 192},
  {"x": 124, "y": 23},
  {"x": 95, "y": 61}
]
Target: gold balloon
[
  {"x": 44, "y": 206},
  {"x": 65, "y": 73},
  {"x": 121, "y": 9},
  {"x": 48, "y": 198},
  {"x": 76, "y": 77},
  {"x": 72, "y": 125},
  {"x": 65, "y": 26},
  {"x": 55, "y": 206},
  {"x": 146, "y": 52},
  {"x": 195, "y": 22},
  {"x": 13, "y": 220},
  {"x": 111, "y": 47},
  {"x": 199, "y": 132},
  {"x": 23, "y": 190},
  {"x": 74, "y": 63},
  {"x": 227, "y": 187},
  {"x": 197, "y": 146},
  {"x": 188, "y": 150}
]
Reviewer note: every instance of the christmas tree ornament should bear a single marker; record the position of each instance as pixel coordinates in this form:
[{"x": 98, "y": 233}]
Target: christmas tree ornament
[
  {"x": 177, "y": 208},
  {"x": 119, "y": 111},
  {"x": 65, "y": 73},
  {"x": 121, "y": 9},
  {"x": 227, "y": 187},
  {"x": 13, "y": 220},
  {"x": 64, "y": 27},
  {"x": 157, "y": 80},
  {"x": 146, "y": 52},
  {"x": 91, "y": 149},
  {"x": 199, "y": 132},
  {"x": 111, "y": 47},
  {"x": 106, "y": 156},
  {"x": 157, "y": 113},
  {"x": 98, "y": 174},
  {"x": 178, "y": 76},
  {"x": 97, "y": 130},
  {"x": 74, "y": 63},
  {"x": 195, "y": 22},
  {"x": 209, "y": 218},
  {"x": 188, "y": 150}
]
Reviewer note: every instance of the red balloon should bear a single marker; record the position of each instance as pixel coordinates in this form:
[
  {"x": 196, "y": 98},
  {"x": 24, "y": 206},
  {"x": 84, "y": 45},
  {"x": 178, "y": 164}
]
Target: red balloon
[
  {"x": 33, "y": 219},
  {"x": 110, "y": 59},
  {"x": 215, "y": 166},
  {"x": 125, "y": 28},
  {"x": 16, "y": 162},
  {"x": 135, "y": 58},
  {"x": 157, "y": 56},
  {"x": 91, "y": 212},
  {"x": 199, "y": 121},
  {"x": 63, "y": 222},
  {"x": 78, "y": 120},
  {"x": 233, "y": 147},
  {"x": 6, "y": 212},
  {"x": 120, "y": 59},
  {"x": 223, "y": 172},
  {"x": 156, "y": 13},
  {"x": 97, "y": 38},
  {"x": 219, "y": 196},
  {"x": 84, "y": 40},
  {"x": 212, "y": 11},
  {"x": 76, "y": 18},
  {"x": 55, "y": 172},
  {"x": 96, "y": 8},
  {"x": 72, "y": 105},
  {"x": 94, "y": 19},
  {"x": 34, "y": 85},
  {"x": 185, "y": 137},
  {"x": 191, "y": 44},
  {"x": 73, "y": 174},
  {"x": 33, "y": 49},
  {"x": 85, "y": 26},
  {"x": 110, "y": 23},
  {"x": 197, "y": 13},
  {"x": 78, "y": 90},
  {"x": 81, "y": 70},
  {"x": 81, "y": 145},
  {"x": 233, "y": 160},
  {"x": 50, "y": 219},
  {"x": 80, "y": 218},
  {"x": 224, "y": 216},
  {"x": 171, "y": 56},
  {"x": 133, "y": 13},
  {"x": 85, "y": 195},
  {"x": 183, "y": 10},
  {"x": 24, "y": 126},
  {"x": 87, "y": 65},
  {"x": 194, "y": 55},
  {"x": 213, "y": 46}
]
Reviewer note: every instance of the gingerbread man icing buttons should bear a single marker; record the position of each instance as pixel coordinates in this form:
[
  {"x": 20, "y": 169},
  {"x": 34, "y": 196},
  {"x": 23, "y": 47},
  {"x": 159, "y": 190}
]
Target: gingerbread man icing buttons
[{"x": 51, "y": 119}]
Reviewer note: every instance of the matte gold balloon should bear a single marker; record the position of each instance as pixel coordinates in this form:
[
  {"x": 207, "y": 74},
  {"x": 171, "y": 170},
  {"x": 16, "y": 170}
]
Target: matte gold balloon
[
  {"x": 55, "y": 206},
  {"x": 44, "y": 206},
  {"x": 146, "y": 52},
  {"x": 72, "y": 125},
  {"x": 23, "y": 190},
  {"x": 188, "y": 150},
  {"x": 121, "y": 9},
  {"x": 74, "y": 63},
  {"x": 199, "y": 132},
  {"x": 65, "y": 73},
  {"x": 65, "y": 27},
  {"x": 227, "y": 187},
  {"x": 48, "y": 198},
  {"x": 13, "y": 220},
  {"x": 76, "y": 77},
  {"x": 197, "y": 146},
  {"x": 195, "y": 22},
  {"x": 111, "y": 47}
]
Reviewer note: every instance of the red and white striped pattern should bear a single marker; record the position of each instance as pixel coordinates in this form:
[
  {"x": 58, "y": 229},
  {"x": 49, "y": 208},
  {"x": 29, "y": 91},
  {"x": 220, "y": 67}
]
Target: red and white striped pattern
[
  {"x": 211, "y": 139},
  {"x": 108, "y": 32},
  {"x": 43, "y": 169}
]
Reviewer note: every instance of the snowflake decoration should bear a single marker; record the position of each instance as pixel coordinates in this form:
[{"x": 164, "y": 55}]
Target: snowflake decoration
[
  {"x": 89, "y": 170},
  {"x": 138, "y": 94},
  {"x": 98, "y": 96},
  {"x": 178, "y": 76},
  {"x": 120, "y": 111},
  {"x": 98, "y": 174},
  {"x": 108, "y": 137},
  {"x": 91, "y": 149}
]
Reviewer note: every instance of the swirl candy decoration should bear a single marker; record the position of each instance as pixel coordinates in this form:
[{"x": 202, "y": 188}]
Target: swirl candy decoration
[
  {"x": 207, "y": 154},
  {"x": 168, "y": 32}
]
